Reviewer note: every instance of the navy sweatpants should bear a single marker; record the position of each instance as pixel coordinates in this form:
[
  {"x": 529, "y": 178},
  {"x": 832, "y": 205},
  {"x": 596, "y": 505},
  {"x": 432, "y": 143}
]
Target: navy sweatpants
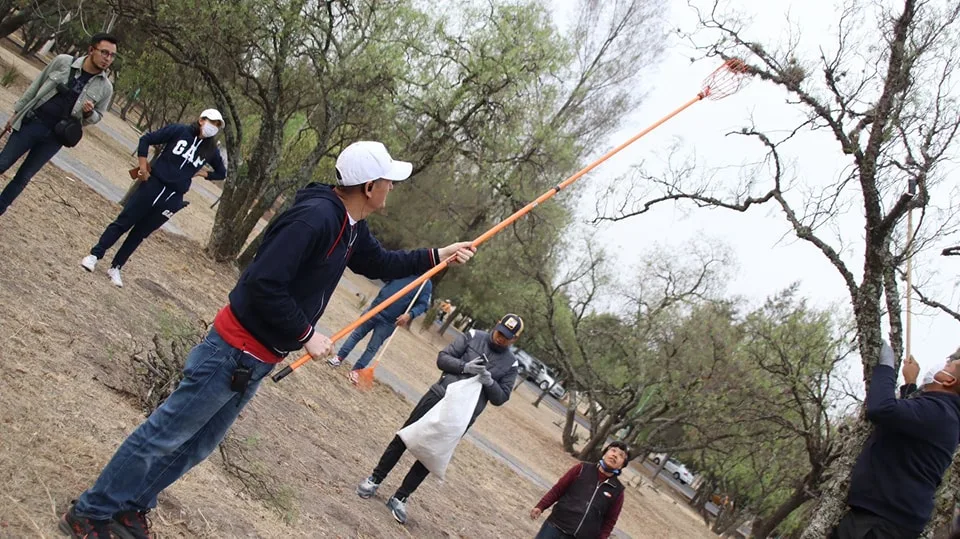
[{"x": 150, "y": 206}]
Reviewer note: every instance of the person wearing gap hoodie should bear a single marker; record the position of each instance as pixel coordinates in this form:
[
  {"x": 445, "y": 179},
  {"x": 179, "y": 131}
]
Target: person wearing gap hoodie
[
  {"x": 187, "y": 149},
  {"x": 383, "y": 324},
  {"x": 272, "y": 311},
  {"x": 901, "y": 465}
]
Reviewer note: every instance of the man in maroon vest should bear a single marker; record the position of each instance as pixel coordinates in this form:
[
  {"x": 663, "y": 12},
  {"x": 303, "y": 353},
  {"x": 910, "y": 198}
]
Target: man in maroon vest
[{"x": 588, "y": 498}]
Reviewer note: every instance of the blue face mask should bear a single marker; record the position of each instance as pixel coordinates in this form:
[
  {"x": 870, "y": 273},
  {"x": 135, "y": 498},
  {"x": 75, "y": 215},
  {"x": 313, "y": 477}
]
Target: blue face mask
[{"x": 603, "y": 466}]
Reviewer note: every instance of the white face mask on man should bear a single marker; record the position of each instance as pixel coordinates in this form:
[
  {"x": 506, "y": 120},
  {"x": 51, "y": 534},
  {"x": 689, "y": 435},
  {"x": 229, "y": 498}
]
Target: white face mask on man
[{"x": 208, "y": 129}]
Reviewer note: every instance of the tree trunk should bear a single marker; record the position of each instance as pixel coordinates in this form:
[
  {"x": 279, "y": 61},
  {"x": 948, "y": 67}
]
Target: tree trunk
[
  {"x": 569, "y": 439},
  {"x": 12, "y": 23},
  {"x": 661, "y": 466},
  {"x": 946, "y": 500},
  {"x": 762, "y": 527},
  {"x": 543, "y": 393},
  {"x": 242, "y": 203},
  {"x": 594, "y": 445},
  {"x": 448, "y": 320},
  {"x": 727, "y": 520},
  {"x": 833, "y": 501},
  {"x": 125, "y": 109}
]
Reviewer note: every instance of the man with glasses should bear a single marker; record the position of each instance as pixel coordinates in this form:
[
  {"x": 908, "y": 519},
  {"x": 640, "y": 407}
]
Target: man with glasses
[
  {"x": 68, "y": 88},
  {"x": 893, "y": 483},
  {"x": 187, "y": 149}
]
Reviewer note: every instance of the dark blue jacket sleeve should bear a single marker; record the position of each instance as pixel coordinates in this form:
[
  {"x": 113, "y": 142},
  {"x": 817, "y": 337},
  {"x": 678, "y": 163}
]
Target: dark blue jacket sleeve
[
  {"x": 219, "y": 171},
  {"x": 907, "y": 416},
  {"x": 423, "y": 302},
  {"x": 371, "y": 260},
  {"x": 269, "y": 276},
  {"x": 160, "y": 136}
]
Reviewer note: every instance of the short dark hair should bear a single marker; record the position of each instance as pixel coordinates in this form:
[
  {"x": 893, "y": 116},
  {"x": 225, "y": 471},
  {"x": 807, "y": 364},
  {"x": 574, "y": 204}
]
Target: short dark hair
[
  {"x": 102, "y": 36},
  {"x": 619, "y": 445}
]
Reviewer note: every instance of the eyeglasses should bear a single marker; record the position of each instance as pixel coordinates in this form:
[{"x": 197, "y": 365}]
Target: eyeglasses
[{"x": 107, "y": 53}]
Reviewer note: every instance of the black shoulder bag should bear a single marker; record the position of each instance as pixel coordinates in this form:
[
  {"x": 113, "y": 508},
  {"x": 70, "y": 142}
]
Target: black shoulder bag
[{"x": 69, "y": 130}]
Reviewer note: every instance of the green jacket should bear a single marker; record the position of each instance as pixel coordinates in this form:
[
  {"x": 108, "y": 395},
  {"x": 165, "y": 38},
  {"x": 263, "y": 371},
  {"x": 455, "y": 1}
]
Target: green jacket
[{"x": 99, "y": 89}]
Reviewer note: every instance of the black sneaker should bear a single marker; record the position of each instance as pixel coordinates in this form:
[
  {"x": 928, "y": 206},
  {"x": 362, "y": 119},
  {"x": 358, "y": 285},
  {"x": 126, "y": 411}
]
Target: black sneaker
[
  {"x": 82, "y": 527},
  {"x": 131, "y": 525}
]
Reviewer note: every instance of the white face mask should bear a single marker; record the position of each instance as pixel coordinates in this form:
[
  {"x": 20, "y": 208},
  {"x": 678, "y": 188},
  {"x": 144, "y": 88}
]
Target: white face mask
[{"x": 209, "y": 130}]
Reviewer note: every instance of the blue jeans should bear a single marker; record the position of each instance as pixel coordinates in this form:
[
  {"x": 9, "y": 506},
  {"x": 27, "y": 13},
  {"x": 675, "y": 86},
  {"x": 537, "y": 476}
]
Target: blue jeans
[
  {"x": 381, "y": 329},
  {"x": 548, "y": 531},
  {"x": 178, "y": 435},
  {"x": 36, "y": 138}
]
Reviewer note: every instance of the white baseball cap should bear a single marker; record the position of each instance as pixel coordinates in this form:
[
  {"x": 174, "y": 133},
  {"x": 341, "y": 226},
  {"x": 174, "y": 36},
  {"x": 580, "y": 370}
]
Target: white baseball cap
[
  {"x": 365, "y": 161},
  {"x": 212, "y": 114}
]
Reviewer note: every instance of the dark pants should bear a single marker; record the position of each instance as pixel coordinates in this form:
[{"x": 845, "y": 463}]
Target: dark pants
[
  {"x": 860, "y": 524},
  {"x": 150, "y": 206},
  {"x": 418, "y": 472},
  {"x": 549, "y": 531},
  {"x": 34, "y": 139}
]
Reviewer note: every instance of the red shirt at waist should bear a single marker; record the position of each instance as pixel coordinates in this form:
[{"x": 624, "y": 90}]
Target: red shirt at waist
[{"x": 237, "y": 336}]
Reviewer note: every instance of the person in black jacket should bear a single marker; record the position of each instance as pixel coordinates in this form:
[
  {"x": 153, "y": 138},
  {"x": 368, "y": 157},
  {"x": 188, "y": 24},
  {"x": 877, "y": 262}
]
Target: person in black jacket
[
  {"x": 901, "y": 465},
  {"x": 473, "y": 353},
  {"x": 588, "y": 498},
  {"x": 272, "y": 311},
  {"x": 188, "y": 148}
]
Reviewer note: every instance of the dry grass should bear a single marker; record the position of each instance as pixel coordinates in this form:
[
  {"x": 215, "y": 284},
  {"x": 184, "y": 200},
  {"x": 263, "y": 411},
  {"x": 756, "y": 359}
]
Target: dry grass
[{"x": 296, "y": 453}]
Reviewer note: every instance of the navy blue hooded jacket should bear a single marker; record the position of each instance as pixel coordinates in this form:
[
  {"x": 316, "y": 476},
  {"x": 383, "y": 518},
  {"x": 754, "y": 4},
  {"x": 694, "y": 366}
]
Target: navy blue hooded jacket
[
  {"x": 284, "y": 291},
  {"x": 904, "y": 459},
  {"x": 394, "y": 310},
  {"x": 180, "y": 160}
]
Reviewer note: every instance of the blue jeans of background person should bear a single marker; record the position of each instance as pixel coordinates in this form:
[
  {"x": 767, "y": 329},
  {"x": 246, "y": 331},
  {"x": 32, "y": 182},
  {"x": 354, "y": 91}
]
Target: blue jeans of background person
[
  {"x": 178, "y": 435},
  {"x": 33, "y": 137},
  {"x": 382, "y": 329},
  {"x": 548, "y": 531}
]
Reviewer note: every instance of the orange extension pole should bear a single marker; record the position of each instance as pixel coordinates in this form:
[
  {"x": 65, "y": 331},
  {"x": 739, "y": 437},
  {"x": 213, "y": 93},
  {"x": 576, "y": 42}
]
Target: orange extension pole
[{"x": 722, "y": 82}]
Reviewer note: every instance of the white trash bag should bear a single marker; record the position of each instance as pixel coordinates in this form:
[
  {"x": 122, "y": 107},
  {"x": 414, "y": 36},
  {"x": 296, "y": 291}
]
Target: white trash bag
[{"x": 434, "y": 437}]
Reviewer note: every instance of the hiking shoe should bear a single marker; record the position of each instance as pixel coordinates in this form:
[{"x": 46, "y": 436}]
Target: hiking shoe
[
  {"x": 399, "y": 509},
  {"x": 114, "y": 274},
  {"x": 353, "y": 376},
  {"x": 89, "y": 262},
  {"x": 131, "y": 525},
  {"x": 368, "y": 488},
  {"x": 82, "y": 527},
  {"x": 335, "y": 361}
]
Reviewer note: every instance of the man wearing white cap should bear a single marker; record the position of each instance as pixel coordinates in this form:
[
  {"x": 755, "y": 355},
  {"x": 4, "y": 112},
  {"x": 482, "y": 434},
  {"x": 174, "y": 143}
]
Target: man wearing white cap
[
  {"x": 187, "y": 149},
  {"x": 272, "y": 311}
]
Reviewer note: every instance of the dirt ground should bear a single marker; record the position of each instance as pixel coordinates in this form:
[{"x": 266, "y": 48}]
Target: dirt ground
[{"x": 298, "y": 450}]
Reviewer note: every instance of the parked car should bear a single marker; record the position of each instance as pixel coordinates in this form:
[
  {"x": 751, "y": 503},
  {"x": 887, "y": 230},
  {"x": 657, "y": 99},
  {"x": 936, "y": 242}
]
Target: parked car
[
  {"x": 675, "y": 468},
  {"x": 526, "y": 363},
  {"x": 534, "y": 370}
]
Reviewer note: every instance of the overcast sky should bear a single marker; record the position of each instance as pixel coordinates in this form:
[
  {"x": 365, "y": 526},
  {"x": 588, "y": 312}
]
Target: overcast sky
[{"x": 768, "y": 257}]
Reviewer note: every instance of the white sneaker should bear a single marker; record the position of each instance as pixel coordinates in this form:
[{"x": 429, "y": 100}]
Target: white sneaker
[
  {"x": 114, "y": 274},
  {"x": 335, "y": 361},
  {"x": 89, "y": 262}
]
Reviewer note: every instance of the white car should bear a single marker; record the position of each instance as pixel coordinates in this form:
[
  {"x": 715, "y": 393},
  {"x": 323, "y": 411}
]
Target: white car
[{"x": 675, "y": 468}]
